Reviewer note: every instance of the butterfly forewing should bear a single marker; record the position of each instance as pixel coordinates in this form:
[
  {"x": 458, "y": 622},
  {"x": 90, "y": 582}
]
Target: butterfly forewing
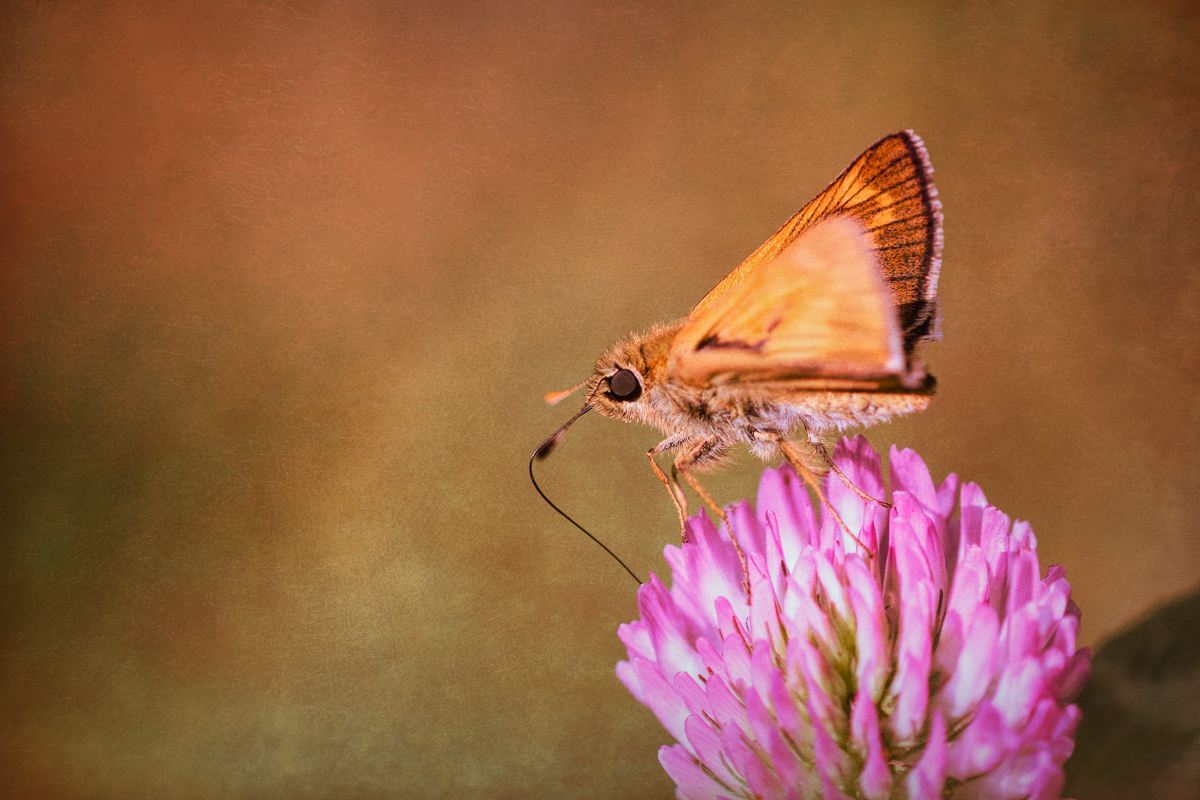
[{"x": 889, "y": 192}]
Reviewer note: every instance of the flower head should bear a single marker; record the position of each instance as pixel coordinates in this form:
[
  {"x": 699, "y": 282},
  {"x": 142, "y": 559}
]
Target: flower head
[{"x": 944, "y": 661}]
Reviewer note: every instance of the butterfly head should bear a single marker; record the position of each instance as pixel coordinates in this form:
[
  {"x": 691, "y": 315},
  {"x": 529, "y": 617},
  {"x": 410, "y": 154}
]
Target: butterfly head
[{"x": 627, "y": 383}]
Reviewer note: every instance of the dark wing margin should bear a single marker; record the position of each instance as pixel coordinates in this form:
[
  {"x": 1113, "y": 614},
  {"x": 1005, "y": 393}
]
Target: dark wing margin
[{"x": 889, "y": 190}]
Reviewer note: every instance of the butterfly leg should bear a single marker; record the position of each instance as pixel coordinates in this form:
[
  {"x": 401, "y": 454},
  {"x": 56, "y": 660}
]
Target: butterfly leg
[
  {"x": 796, "y": 459},
  {"x": 819, "y": 446},
  {"x": 677, "y": 497},
  {"x": 673, "y": 487},
  {"x": 683, "y": 465}
]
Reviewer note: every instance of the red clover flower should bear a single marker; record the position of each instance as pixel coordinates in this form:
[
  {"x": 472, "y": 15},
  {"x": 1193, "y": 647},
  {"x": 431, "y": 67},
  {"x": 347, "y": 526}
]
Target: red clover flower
[{"x": 943, "y": 666}]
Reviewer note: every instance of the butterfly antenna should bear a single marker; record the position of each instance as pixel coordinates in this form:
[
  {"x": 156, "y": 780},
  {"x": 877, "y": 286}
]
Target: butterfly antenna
[{"x": 544, "y": 450}]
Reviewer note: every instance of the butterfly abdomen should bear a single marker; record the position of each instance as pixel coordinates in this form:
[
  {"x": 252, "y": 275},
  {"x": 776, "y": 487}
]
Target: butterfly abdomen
[{"x": 840, "y": 411}]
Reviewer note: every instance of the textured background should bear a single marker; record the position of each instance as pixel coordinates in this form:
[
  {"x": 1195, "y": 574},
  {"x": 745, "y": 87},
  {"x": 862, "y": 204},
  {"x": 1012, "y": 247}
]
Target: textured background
[{"x": 284, "y": 282}]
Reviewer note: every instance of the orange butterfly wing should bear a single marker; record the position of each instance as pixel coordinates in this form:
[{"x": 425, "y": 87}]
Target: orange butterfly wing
[{"x": 800, "y": 308}]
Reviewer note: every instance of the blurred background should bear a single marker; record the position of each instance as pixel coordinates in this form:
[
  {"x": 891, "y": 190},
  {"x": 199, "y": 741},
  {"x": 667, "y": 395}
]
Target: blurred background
[{"x": 283, "y": 285}]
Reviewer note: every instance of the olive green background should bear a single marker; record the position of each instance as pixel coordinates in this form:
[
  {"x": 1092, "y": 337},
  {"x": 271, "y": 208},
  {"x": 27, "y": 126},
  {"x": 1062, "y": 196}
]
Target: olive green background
[{"x": 284, "y": 283}]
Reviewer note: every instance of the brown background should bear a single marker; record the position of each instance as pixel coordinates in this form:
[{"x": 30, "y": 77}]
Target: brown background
[{"x": 284, "y": 282}]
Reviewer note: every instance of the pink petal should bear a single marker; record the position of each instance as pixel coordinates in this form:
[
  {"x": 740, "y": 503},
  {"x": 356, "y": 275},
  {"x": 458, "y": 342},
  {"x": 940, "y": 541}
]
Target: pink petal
[
  {"x": 705, "y": 742},
  {"x": 628, "y": 676},
  {"x": 782, "y": 493},
  {"x": 1030, "y": 775},
  {"x": 968, "y": 596},
  {"x": 947, "y": 495},
  {"x": 1054, "y": 592},
  {"x": 818, "y": 680},
  {"x": 751, "y": 534},
  {"x": 786, "y": 767},
  {"x": 1022, "y": 534},
  {"x": 1074, "y": 675},
  {"x": 994, "y": 539},
  {"x": 1050, "y": 729},
  {"x": 713, "y": 665},
  {"x": 746, "y": 762},
  {"x": 1018, "y": 690},
  {"x": 833, "y": 765},
  {"x": 1022, "y": 579},
  {"x": 760, "y": 778},
  {"x": 911, "y": 476},
  {"x": 929, "y": 775},
  {"x": 660, "y": 697},
  {"x": 910, "y": 686},
  {"x": 737, "y": 662},
  {"x": 875, "y": 780},
  {"x": 831, "y": 586},
  {"x": 907, "y": 524},
  {"x": 787, "y": 713},
  {"x": 1021, "y": 632},
  {"x": 970, "y": 587},
  {"x": 764, "y": 619},
  {"x": 971, "y": 503},
  {"x": 974, "y": 668},
  {"x": 870, "y": 637},
  {"x": 727, "y": 710},
  {"x": 803, "y": 577},
  {"x": 805, "y": 617},
  {"x": 727, "y": 620},
  {"x": 830, "y": 534},
  {"x": 692, "y": 782},
  {"x": 830, "y": 790},
  {"x": 692, "y": 694},
  {"x": 911, "y": 689},
  {"x": 859, "y": 462},
  {"x": 981, "y": 746},
  {"x": 925, "y": 541},
  {"x": 777, "y": 556},
  {"x": 671, "y": 632},
  {"x": 703, "y": 570},
  {"x": 1063, "y": 741}
]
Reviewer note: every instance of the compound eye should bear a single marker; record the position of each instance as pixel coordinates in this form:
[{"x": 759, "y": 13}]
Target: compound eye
[{"x": 624, "y": 386}]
